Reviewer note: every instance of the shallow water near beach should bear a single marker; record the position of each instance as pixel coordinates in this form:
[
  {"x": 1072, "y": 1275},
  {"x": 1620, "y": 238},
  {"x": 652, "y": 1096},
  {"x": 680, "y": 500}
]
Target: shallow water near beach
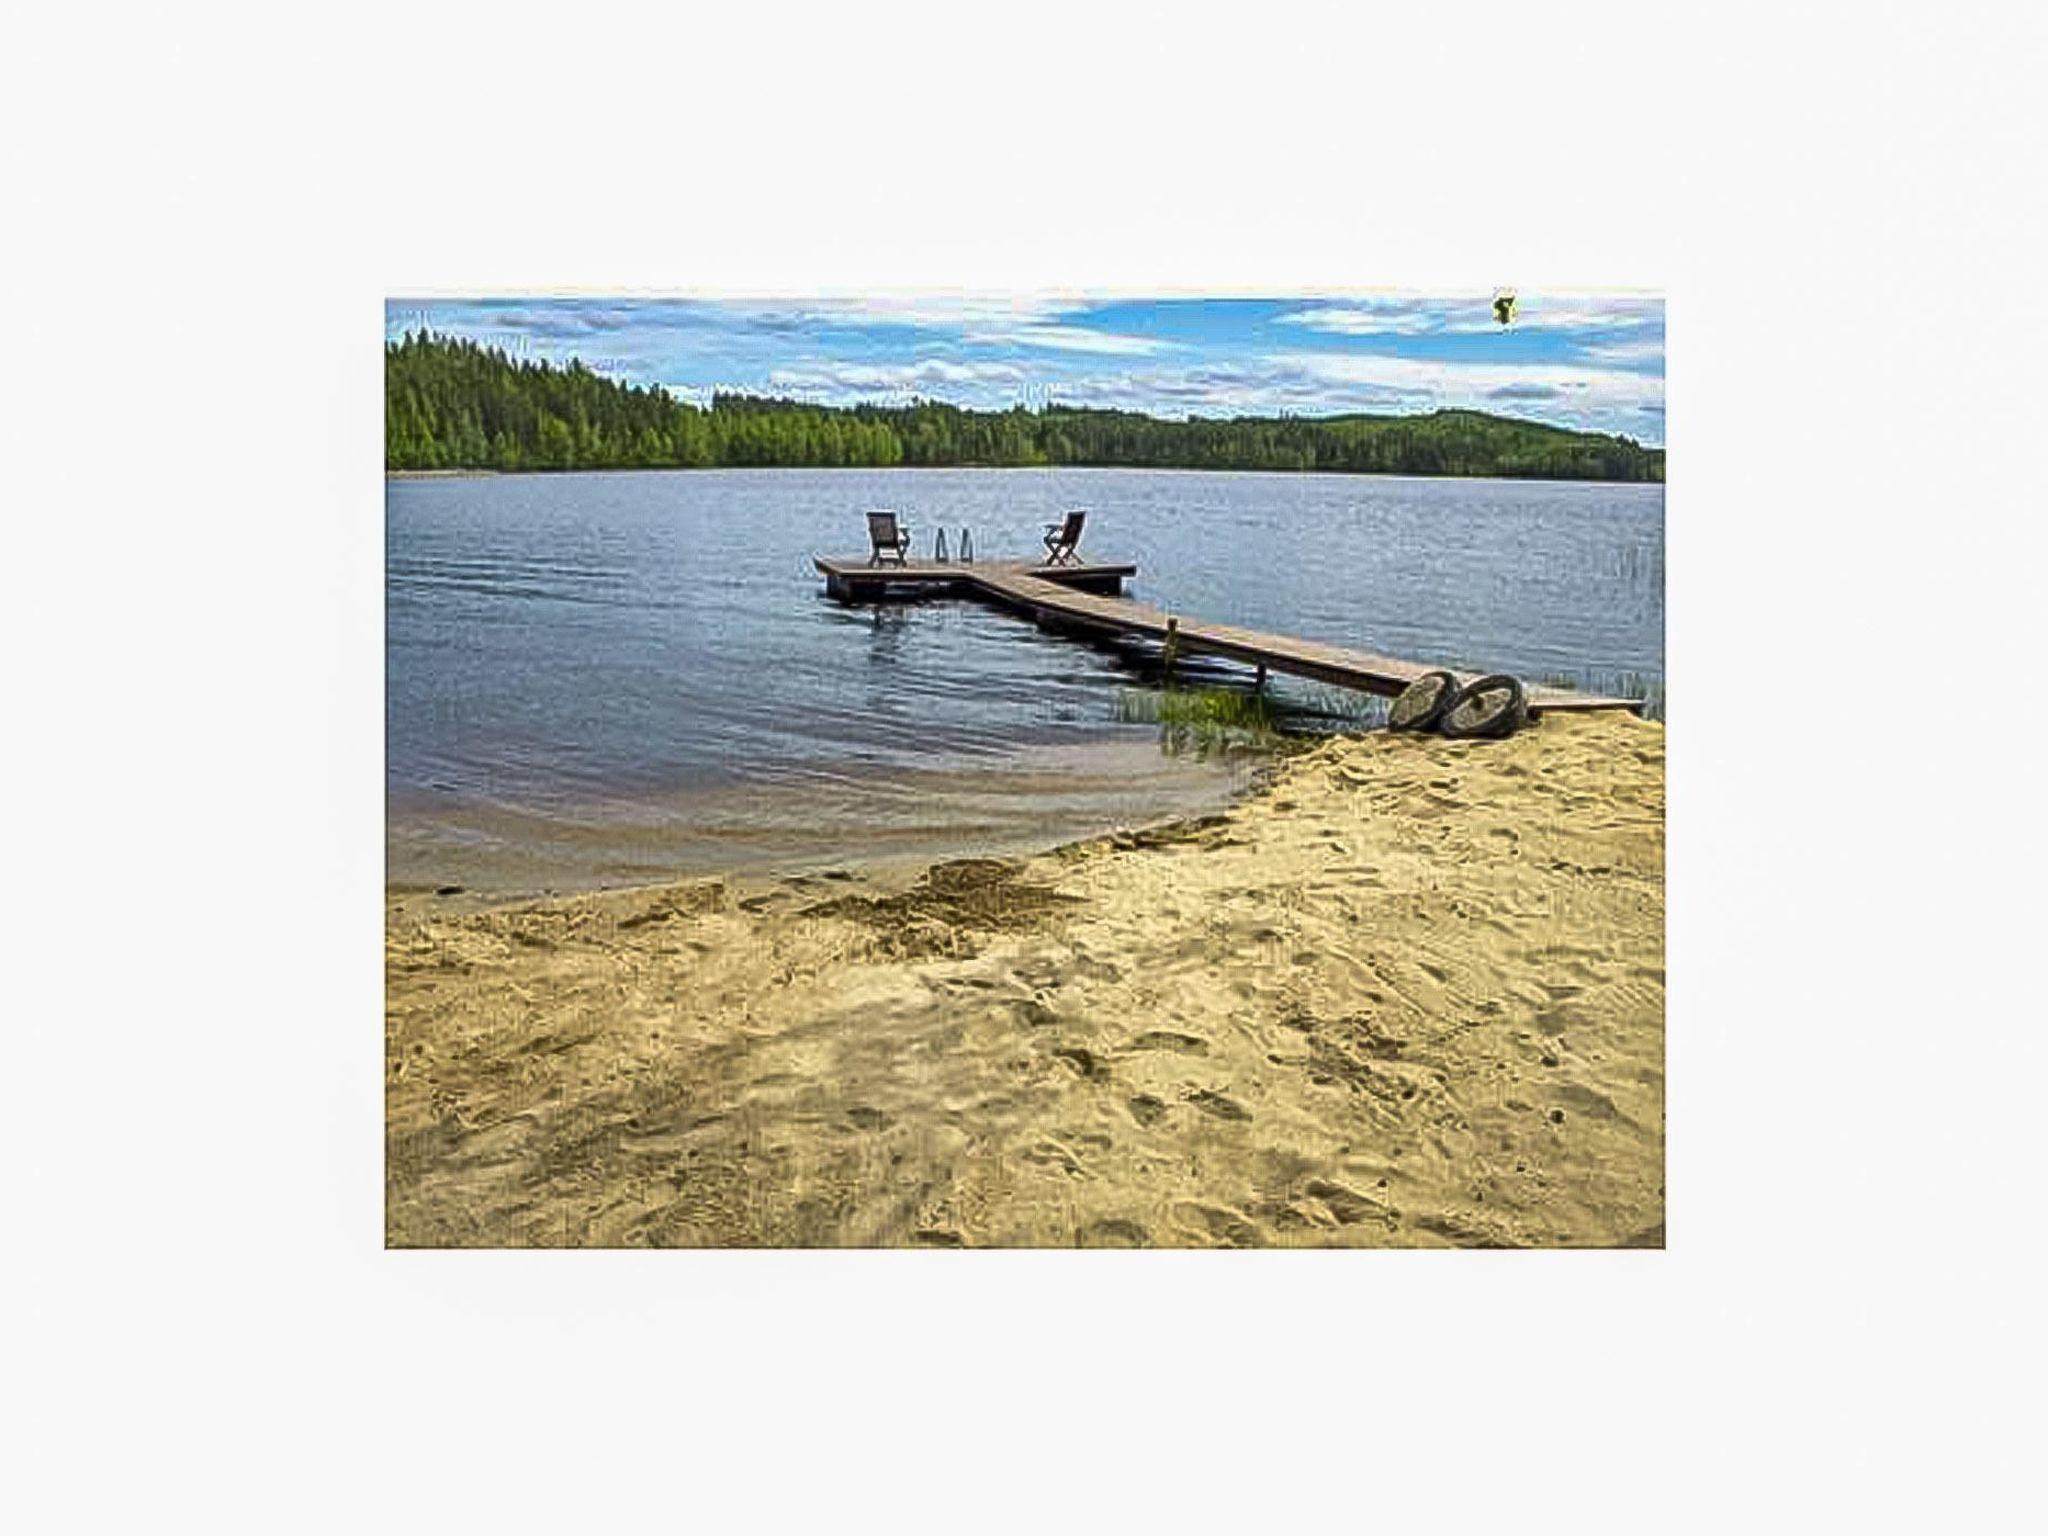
[{"x": 613, "y": 678}]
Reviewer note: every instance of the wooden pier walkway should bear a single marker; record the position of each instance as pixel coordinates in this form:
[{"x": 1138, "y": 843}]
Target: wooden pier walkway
[{"x": 1085, "y": 599}]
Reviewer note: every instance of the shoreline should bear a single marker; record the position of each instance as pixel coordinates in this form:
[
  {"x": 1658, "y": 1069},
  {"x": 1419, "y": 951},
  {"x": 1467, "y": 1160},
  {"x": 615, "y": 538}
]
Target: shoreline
[
  {"x": 1028, "y": 469},
  {"x": 864, "y": 868},
  {"x": 1409, "y": 992},
  {"x": 878, "y": 872},
  {"x": 500, "y": 854}
]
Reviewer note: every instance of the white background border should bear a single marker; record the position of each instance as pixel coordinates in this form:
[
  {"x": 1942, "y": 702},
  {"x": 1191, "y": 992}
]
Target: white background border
[{"x": 209, "y": 205}]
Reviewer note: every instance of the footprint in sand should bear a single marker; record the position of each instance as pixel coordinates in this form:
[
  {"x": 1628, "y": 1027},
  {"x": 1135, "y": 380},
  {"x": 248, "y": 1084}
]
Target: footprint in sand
[
  {"x": 1169, "y": 1040},
  {"x": 1588, "y": 1101},
  {"x": 1082, "y": 1060},
  {"x": 1113, "y": 1233},
  {"x": 1220, "y": 1225},
  {"x": 1347, "y": 1204},
  {"x": 1147, "y": 1110},
  {"x": 1049, "y": 1153},
  {"x": 1209, "y": 1102}
]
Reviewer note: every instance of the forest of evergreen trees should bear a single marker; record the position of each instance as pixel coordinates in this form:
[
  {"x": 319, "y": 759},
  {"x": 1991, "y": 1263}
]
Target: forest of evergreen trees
[{"x": 452, "y": 404}]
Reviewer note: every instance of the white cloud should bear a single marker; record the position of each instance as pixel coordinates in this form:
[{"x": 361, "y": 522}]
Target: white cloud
[
  {"x": 937, "y": 311},
  {"x": 1071, "y": 338},
  {"x": 1472, "y": 314},
  {"x": 1375, "y": 317},
  {"x": 1572, "y": 312},
  {"x": 1466, "y": 383},
  {"x": 1648, "y": 349},
  {"x": 842, "y": 380}
]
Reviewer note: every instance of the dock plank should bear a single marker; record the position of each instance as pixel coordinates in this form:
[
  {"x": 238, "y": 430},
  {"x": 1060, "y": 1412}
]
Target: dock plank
[
  {"x": 1059, "y": 594},
  {"x": 1323, "y": 662},
  {"x": 858, "y": 579}
]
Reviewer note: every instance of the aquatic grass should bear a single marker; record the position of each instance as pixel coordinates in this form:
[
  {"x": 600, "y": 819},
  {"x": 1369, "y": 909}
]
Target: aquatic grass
[
  {"x": 1217, "y": 709},
  {"x": 1269, "y": 719},
  {"x": 1203, "y": 720},
  {"x": 1287, "y": 713}
]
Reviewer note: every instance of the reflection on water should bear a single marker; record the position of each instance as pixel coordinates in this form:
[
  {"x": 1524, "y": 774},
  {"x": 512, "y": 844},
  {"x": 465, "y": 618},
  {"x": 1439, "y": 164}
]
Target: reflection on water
[{"x": 614, "y": 677}]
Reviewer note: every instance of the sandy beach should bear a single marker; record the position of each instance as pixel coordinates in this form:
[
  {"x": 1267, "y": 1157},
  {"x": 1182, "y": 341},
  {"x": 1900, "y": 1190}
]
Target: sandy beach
[{"x": 1410, "y": 993}]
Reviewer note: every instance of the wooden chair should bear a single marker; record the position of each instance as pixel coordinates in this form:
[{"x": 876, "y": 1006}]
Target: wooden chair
[
  {"x": 889, "y": 539},
  {"x": 1063, "y": 538}
]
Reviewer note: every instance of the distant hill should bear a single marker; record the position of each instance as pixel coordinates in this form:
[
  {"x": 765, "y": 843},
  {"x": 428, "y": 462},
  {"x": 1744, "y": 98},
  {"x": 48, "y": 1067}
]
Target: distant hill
[{"x": 452, "y": 404}]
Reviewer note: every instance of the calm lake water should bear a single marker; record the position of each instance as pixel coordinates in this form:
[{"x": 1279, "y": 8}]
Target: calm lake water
[{"x": 604, "y": 678}]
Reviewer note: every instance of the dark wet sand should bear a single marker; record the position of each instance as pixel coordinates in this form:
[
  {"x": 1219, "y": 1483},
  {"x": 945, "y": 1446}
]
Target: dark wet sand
[{"x": 804, "y": 822}]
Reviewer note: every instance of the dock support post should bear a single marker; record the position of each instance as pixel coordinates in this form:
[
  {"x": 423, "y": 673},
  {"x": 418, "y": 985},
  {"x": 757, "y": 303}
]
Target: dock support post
[
  {"x": 1172, "y": 644},
  {"x": 1260, "y": 685}
]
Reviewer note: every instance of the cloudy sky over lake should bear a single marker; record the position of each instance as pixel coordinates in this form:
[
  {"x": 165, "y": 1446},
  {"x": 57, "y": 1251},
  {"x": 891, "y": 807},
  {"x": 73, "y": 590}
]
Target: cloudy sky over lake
[{"x": 1578, "y": 360}]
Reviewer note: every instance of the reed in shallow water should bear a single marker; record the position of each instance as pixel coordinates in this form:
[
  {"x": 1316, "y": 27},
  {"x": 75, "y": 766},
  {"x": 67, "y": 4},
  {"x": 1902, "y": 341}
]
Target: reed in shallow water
[{"x": 1206, "y": 719}]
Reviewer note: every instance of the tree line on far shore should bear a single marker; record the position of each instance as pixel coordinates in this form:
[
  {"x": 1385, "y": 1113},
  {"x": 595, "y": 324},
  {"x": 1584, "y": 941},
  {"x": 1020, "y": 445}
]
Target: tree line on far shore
[{"x": 454, "y": 404}]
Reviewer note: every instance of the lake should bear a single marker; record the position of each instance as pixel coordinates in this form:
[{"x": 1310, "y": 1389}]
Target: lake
[{"x": 608, "y": 678}]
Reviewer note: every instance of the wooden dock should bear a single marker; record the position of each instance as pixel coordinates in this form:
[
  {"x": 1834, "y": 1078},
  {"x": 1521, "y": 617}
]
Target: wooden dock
[
  {"x": 857, "y": 581},
  {"x": 1085, "y": 599}
]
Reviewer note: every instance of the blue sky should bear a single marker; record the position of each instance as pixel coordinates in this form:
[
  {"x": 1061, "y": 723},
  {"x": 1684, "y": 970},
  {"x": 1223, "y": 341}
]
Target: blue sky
[{"x": 1579, "y": 360}]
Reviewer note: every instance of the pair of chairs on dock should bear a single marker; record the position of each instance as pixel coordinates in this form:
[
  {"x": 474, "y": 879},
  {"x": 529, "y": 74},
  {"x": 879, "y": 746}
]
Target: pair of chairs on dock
[{"x": 889, "y": 538}]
